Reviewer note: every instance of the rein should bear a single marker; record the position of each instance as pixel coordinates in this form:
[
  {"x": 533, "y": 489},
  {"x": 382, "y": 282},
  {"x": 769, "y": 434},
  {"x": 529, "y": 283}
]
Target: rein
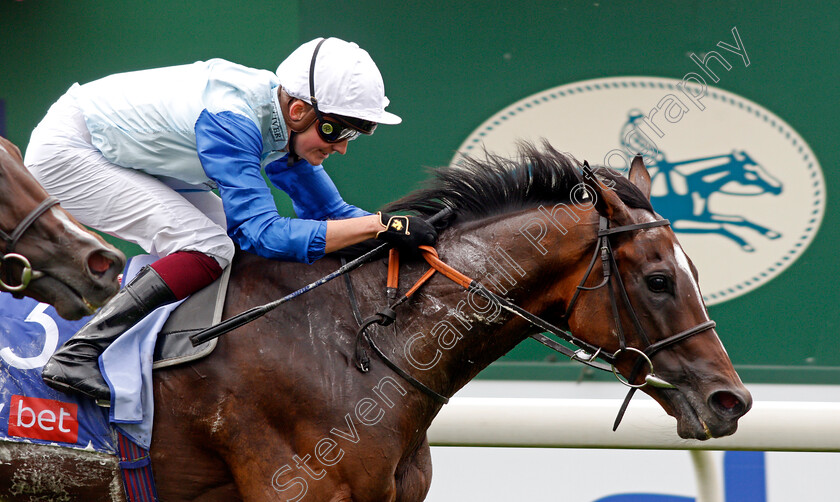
[
  {"x": 26, "y": 274},
  {"x": 586, "y": 352},
  {"x": 254, "y": 313}
]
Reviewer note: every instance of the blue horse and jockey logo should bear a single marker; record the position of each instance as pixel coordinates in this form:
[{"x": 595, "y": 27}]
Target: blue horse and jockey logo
[
  {"x": 742, "y": 188},
  {"x": 684, "y": 191}
]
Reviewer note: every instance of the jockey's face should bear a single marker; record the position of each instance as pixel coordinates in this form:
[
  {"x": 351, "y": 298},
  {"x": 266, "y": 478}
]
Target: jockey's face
[{"x": 309, "y": 146}]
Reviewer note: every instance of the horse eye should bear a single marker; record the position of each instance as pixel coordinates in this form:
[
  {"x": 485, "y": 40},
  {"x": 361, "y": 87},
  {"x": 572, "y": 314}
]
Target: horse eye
[{"x": 657, "y": 283}]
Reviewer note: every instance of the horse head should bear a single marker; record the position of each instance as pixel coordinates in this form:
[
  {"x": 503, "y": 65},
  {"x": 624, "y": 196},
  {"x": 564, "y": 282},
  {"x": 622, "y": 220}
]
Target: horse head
[
  {"x": 748, "y": 177},
  {"x": 49, "y": 256},
  {"x": 738, "y": 175},
  {"x": 663, "y": 299}
]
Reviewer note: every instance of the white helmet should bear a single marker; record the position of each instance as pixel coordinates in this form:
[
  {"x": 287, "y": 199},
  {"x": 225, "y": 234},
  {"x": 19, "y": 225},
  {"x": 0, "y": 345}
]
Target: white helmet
[{"x": 346, "y": 81}]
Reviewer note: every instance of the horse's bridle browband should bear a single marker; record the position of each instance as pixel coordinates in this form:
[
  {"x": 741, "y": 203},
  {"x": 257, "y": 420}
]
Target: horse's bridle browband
[
  {"x": 27, "y": 274},
  {"x": 586, "y": 353}
]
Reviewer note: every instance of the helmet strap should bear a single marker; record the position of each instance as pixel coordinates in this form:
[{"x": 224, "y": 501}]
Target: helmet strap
[{"x": 293, "y": 156}]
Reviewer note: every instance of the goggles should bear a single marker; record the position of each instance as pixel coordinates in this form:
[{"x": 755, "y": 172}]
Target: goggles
[{"x": 335, "y": 128}]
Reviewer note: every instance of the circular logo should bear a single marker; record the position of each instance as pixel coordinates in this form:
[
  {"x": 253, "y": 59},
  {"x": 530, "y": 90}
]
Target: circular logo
[{"x": 744, "y": 193}]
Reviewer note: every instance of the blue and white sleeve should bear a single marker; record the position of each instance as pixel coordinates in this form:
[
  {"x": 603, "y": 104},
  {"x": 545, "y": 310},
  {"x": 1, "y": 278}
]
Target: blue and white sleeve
[
  {"x": 230, "y": 146},
  {"x": 314, "y": 195}
]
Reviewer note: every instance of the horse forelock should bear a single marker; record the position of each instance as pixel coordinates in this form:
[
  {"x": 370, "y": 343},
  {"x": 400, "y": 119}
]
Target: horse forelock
[{"x": 479, "y": 187}]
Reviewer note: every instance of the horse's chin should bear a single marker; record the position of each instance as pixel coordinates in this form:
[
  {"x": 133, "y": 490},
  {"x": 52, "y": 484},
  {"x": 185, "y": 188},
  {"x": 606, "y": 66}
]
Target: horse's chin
[
  {"x": 68, "y": 302},
  {"x": 694, "y": 419}
]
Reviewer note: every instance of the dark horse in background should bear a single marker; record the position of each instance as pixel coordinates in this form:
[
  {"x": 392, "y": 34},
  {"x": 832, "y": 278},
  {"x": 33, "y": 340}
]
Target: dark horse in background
[
  {"x": 47, "y": 254},
  {"x": 280, "y": 412}
]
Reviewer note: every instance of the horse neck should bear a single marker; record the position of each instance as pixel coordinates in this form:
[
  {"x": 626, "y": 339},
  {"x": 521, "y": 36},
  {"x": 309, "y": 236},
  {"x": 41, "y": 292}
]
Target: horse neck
[
  {"x": 16, "y": 179},
  {"x": 466, "y": 332}
]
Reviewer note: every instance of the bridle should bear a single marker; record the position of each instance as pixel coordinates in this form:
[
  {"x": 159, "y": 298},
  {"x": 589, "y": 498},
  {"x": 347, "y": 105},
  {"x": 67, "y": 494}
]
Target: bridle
[
  {"x": 26, "y": 274},
  {"x": 586, "y": 352},
  {"x": 608, "y": 265}
]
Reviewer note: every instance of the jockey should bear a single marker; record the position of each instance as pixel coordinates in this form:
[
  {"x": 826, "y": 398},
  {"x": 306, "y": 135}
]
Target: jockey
[{"x": 137, "y": 154}]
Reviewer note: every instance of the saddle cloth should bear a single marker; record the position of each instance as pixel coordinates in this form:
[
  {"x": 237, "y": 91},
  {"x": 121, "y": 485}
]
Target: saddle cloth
[
  {"x": 31, "y": 331},
  {"x": 127, "y": 364},
  {"x": 29, "y": 410}
]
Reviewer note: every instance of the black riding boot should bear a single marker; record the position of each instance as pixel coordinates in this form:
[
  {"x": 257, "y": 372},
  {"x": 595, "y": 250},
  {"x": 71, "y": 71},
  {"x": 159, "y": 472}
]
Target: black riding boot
[{"x": 75, "y": 366}]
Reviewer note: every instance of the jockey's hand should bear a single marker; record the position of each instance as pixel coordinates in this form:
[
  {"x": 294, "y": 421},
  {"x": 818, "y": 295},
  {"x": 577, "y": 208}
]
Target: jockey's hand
[{"x": 406, "y": 231}]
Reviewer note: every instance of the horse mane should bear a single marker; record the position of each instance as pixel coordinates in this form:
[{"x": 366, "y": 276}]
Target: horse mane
[{"x": 481, "y": 187}]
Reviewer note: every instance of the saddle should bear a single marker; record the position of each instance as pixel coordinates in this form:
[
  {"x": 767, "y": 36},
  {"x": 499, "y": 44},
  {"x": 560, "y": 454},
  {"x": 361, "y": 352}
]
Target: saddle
[{"x": 201, "y": 310}]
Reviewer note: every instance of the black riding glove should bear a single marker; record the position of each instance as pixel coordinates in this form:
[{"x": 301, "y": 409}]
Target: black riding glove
[{"x": 406, "y": 231}]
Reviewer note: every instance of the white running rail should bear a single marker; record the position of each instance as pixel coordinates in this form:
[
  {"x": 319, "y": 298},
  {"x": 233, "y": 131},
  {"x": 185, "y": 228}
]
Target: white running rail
[{"x": 587, "y": 423}]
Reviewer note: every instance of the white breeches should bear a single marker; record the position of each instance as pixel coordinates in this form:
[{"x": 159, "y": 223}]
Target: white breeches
[{"x": 160, "y": 215}]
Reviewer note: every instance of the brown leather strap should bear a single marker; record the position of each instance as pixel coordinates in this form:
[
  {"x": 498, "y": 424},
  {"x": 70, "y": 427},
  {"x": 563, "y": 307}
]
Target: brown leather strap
[
  {"x": 428, "y": 275},
  {"x": 393, "y": 270},
  {"x": 431, "y": 256}
]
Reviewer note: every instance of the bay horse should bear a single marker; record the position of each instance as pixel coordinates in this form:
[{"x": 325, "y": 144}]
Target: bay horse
[
  {"x": 281, "y": 411},
  {"x": 47, "y": 254}
]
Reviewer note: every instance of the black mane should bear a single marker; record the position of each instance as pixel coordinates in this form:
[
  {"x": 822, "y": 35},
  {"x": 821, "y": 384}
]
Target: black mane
[{"x": 482, "y": 187}]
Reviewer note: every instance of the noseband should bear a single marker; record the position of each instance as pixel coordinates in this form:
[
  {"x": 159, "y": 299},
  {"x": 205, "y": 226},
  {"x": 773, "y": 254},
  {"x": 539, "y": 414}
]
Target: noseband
[
  {"x": 26, "y": 274},
  {"x": 586, "y": 353}
]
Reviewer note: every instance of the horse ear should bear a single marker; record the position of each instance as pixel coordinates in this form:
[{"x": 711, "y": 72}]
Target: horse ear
[
  {"x": 607, "y": 202},
  {"x": 640, "y": 176}
]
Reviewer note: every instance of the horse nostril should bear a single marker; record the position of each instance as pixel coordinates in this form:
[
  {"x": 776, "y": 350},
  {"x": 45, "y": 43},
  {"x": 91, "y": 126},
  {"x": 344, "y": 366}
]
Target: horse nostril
[
  {"x": 99, "y": 263},
  {"x": 728, "y": 403},
  {"x": 105, "y": 264}
]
